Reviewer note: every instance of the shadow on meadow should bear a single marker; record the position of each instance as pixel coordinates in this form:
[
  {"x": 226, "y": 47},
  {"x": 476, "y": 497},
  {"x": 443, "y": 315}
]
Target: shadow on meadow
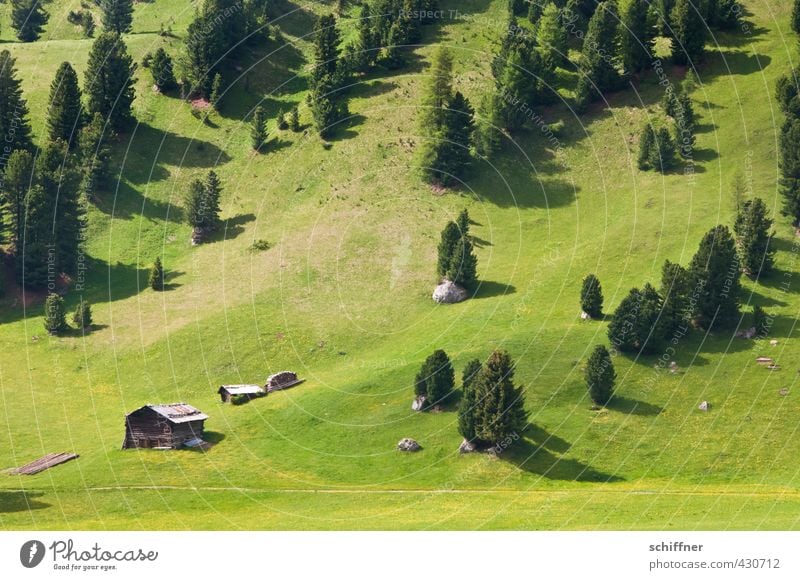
[{"x": 20, "y": 501}]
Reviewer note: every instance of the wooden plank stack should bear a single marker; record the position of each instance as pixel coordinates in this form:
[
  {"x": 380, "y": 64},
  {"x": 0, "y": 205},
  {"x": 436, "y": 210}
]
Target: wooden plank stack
[{"x": 46, "y": 462}]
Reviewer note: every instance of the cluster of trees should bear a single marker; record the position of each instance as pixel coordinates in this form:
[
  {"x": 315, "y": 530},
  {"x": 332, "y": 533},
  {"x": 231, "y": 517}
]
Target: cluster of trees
[
  {"x": 55, "y": 320},
  {"x": 84, "y": 19},
  {"x": 202, "y": 205},
  {"x": 326, "y": 98},
  {"x": 659, "y": 148},
  {"x": 456, "y": 257},
  {"x": 447, "y": 124},
  {"x": 788, "y": 95}
]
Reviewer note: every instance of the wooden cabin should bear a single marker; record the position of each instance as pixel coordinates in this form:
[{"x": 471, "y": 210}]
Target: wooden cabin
[
  {"x": 282, "y": 380},
  {"x": 163, "y": 426},
  {"x": 240, "y": 393}
]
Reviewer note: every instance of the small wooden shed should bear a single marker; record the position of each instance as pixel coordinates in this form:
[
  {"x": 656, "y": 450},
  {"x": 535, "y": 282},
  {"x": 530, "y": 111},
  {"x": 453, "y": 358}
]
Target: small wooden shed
[
  {"x": 163, "y": 426},
  {"x": 282, "y": 380},
  {"x": 234, "y": 393}
]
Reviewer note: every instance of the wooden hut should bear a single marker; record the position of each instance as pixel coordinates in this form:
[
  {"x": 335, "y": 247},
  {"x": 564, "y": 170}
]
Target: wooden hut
[
  {"x": 282, "y": 380},
  {"x": 163, "y": 426},
  {"x": 240, "y": 393}
]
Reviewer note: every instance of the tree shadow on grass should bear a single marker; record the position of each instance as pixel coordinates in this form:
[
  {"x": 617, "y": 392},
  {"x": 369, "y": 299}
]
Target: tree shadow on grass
[
  {"x": 20, "y": 501},
  {"x": 633, "y": 407},
  {"x": 489, "y": 289},
  {"x": 169, "y": 280},
  {"x": 537, "y": 459},
  {"x": 778, "y": 279},
  {"x": 127, "y": 202}
]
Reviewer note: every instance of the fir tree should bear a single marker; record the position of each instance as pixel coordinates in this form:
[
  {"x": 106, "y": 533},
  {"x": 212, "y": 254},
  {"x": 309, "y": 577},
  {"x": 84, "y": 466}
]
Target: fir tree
[
  {"x": 499, "y": 410},
  {"x": 600, "y": 375},
  {"x": 95, "y": 155},
  {"x": 488, "y": 129},
  {"x": 789, "y": 152},
  {"x": 28, "y": 18},
  {"x": 326, "y": 49},
  {"x": 522, "y": 81},
  {"x": 786, "y": 90},
  {"x": 368, "y": 42},
  {"x": 109, "y": 83},
  {"x": 213, "y": 191},
  {"x": 438, "y": 91},
  {"x": 258, "y": 129},
  {"x": 36, "y": 263},
  {"x": 663, "y": 155},
  {"x": 647, "y": 142},
  {"x": 592, "y": 296},
  {"x": 202, "y": 53},
  {"x": 796, "y": 16},
  {"x": 675, "y": 292},
  {"x": 54, "y": 317},
  {"x": 551, "y": 36},
  {"x": 216, "y": 91},
  {"x": 117, "y": 15},
  {"x": 393, "y": 57},
  {"x": 14, "y": 124},
  {"x": 447, "y": 247},
  {"x": 715, "y": 273},
  {"x": 635, "y": 36},
  {"x": 600, "y": 50},
  {"x": 17, "y": 179},
  {"x": 635, "y": 325},
  {"x": 156, "y": 277},
  {"x": 82, "y": 317},
  {"x": 294, "y": 120},
  {"x": 689, "y": 33},
  {"x": 162, "y": 70},
  {"x": 447, "y": 158},
  {"x": 462, "y": 221},
  {"x": 463, "y": 265},
  {"x": 64, "y": 115},
  {"x": 436, "y": 377},
  {"x": 471, "y": 370},
  {"x": 754, "y": 238}
]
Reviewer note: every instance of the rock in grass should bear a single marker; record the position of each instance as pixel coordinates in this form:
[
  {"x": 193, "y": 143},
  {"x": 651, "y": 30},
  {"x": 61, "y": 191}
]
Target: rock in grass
[
  {"x": 466, "y": 447},
  {"x": 408, "y": 444},
  {"x": 449, "y": 293},
  {"x": 704, "y": 406}
]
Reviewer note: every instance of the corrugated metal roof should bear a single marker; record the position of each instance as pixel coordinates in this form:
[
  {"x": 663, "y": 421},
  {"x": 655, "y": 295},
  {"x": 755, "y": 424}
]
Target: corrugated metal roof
[
  {"x": 179, "y": 412},
  {"x": 243, "y": 389}
]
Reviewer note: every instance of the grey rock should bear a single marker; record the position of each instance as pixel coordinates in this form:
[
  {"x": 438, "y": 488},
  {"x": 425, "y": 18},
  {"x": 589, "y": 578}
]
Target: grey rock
[
  {"x": 466, "y": 447},
  {"x": 449, "y": 293},
  {"x": 408, "y": 444},
  {"x": 418, "y": 404},
  {"x": 704, "y": 406}
]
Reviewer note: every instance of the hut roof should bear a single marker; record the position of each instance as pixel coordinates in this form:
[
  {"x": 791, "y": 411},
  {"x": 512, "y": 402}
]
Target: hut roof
[
  {"x": 177, "y": 412},
  {"x": 242, "y": 389}
]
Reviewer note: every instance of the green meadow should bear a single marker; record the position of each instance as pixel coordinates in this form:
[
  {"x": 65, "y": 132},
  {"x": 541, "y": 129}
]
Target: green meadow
[{"x": 343, "y": 298}]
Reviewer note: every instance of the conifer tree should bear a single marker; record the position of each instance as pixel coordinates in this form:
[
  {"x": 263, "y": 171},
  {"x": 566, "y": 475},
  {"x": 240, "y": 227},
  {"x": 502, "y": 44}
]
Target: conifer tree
[
  {"x": 522, "y": 81},
  {"x": 368, "y": 42},
  {"x": 438, "y": 91},
  {"x": 647, "y": 141},
  {"x": 162, "y": 70},
  {"x": 463, "y": 265},
  {"x": 213, "y": 190},
  {"x": 16, "y": 181},
  {"x": 462, "y": 221},
  {"x": 294, "y": 119},
  {"x": 754, "y": 238},
  {"x": 326, "y": 49},
  {"x": 635, "y": 325},
  {"x": 436, "y": 378},
  {"x": 109, "y": 81},
  {"x": 675, "y": 292},
  {"x": 14, "y": 124},
  {"x": 467, "y": 411},
  {"x": 600, "y": 375},
  {"x": 156, "y": 277},
  {"x": 54, "y": 317},
  {"x": 663, "y": 155},
  {"x": 635, "y": 36},
  {"x": 592, "y": 296},
  {"x": 600, "y": 48},
  {"x": 551, "y": 36},
  {"x": 447, "y": 159},
  {"x": 786, "y": 90},
  {"x": 258, "y": 129},
  {"x": 95, "y": 155},
  {"x": 796, "y": 16},
  {"x": 447, "y": 247},
  {"x": 65, "y": 115},
  {"x": 216, "y": 91},
  {"x": 117, "y": 15},
  {"x": 28, "y": 18},
  {"x": 761, "y": 321},
  {"x": 715, "y": 273},
  {"x": 35, "y": 240},
  {"x": 689, "y": 33},
  {"x": 471, "y": 370},
  {"x": 488, "y": 129},
  {"x": 82, "y": 317},
  {"x": 789, "y": 157},
  {"x": 500, "y": 405}
]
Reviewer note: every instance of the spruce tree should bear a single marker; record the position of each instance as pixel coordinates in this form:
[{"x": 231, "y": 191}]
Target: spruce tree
[
  {"x": 162, "y": 70},
  {"x": 213, "y": 189},
  {"x": 258, "y": 129},
  {"x": 471, "y": 370},
  {"x": 635, "y": 36},
  {"x": 551, "y": 36},
  {"x": 294, "y": 119},
  {"x": 95, "y": 155},
  {"x": 715, "y": 273},
  {"x": 789, "y": 157},
  {"x": 467, "y": 410},
  {"x": 438, "y": 91},
  {"x": 438, "y": 378},
  {"x": 202, "y": 53},
  {"x": 592, "y": 296},
  {"x": 600, "y": 375},
  {"x": 675, "y": 292},
  {"x": 28, "y": 18},
  {"x": 36, "y": 264},
  {"x": 82, "y": 317},
  {"x": 754, "y": 238},
  {"x": 647, "y": 142},
  {"x": 65, "y": 115},
  {"x": 488, "y": 129},
  {"x": 635, "y": 325},
  {"x": 522, "y": 81},
  {"x": 600, "y": 48},
  {"x": 117, "y": 15},
  {"x": 14, "y": 124},
  {"x": 796, "y": 16},
  {"x": 463, "y": 265},
  {"x": 689, "y": 33},
  {"x": 786, "y": 90},
  {"x": 156, "y": 277},
  {"x": 663, "y": 155},
  {"x": 54, "y": 317},
  {"x": 500, "y": 405},
  {"x": 462, "y": 221},
  {"x": 447, "y": 159},
  {"x": 216, "y": 91},
  {"x": 451, "y": 234},
  {"x": 326, "y": 50},
  {"x": 368, "y": 42},
  {"x": 109, "y": 81},
  {"x": 17, "y": 179},
  {"x": 194, "y": 205}
]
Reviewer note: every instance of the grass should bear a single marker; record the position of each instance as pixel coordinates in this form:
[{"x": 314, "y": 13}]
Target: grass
[{"x": 343, "y": 297}]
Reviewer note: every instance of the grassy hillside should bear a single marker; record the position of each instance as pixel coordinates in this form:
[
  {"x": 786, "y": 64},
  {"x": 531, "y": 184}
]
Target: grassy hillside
[{"x": 343, "y": 298}]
